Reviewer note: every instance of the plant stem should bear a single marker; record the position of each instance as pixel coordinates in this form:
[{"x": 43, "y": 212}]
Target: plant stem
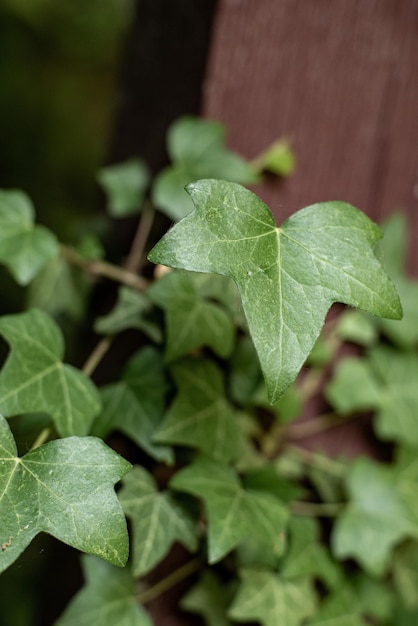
[
  {"x": 134, "y": 260},
  {"x": 317, "y": 509},
  {"x": 333, "y": 467},
  {"x": 316, "y": 425},
  {"x": 104, "y": 269},
  {"x": 41, "y": 438},
  {"x": 97, "y": 355},
  {"x": 169, "y": 581}
]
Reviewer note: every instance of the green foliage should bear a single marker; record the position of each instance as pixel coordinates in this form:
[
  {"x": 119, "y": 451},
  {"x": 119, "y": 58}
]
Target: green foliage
[{"x": 280, "y": 534}]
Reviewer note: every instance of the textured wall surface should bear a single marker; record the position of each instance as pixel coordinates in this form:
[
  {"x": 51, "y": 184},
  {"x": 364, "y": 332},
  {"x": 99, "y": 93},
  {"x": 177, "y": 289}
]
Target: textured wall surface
[{"x": 340, "y": 79}]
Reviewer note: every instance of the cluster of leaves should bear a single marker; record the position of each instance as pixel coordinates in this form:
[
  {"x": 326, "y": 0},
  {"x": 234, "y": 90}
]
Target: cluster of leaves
[{"x": 281, "y": 535}]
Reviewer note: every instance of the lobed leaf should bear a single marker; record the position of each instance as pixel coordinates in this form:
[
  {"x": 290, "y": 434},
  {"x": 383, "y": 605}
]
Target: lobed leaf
[
  {"x": 125, "y": 185},
  {"x": 288, "y": 277},
  {"x": 63, "y": 488}
]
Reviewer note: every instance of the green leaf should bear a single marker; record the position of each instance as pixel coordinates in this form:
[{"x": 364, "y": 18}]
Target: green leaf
[
  {"x": 130, "y": 311},
  {"x": 405, "y": 571},
  {"x": 404, "y": 333},
  {"x": 353, "y": 387},
  {"x": 342, "y": 608},
  {"x": 271, "y": 601},
  {"x": 200, "y": 415},
  {"x": 63, "y": 488},
  {"x": 278, "y": 159},
  {"x": 197, "y": 150},
  {"x": 157, "y": 519},
  {"x": 233, "y": 512},
  {"x": 125, "y": 185},
  {"x": 376, "y": 597},
  {"x": 358, "y": 327},
  {"x": 24, "y": 247},
  {"x": 210, "y": 598},
  {"x": 108, "y": 598},
  {"x": 34, "y": 378},
  {"x": 307, "y": 557},
  {"x": 382, "y": 511},
  {"x": 135, "y": 404},
  {"x": 191, "y": 320},
  {"x": 288, "y": 277}
]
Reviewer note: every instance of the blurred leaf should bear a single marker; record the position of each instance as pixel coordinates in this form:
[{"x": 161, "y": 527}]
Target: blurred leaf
[
  {"x": 353, "y": 387},
  {"x": 200, "y": 415},
  {"x": 125, "y": 185},
  {"x": 157, "y": 520},
  {"x": 233, "y": 513},
  {"x": 278, "y": 159},
  {"x": 341, "y": 608},
  {"x": 197, "y": 150},
  {"x": 191, "y": 321},
  {"x": 24, "y": 247},
  {"x": 210, "y": 598},
  {"x": 268, "y": 599},
  {"x": 405, "y": 571},
  {"x": 357, "y": 327},
  {"x": 135, "y": 404},
  {"x": 376, "y": 597},
  {"x": 35, "y": 379},
  {"x": 131, "y": 310},
  {"x": 288, "y": 277},
  {"x": 63, "y": 488},
  {"x": 107, "y": 598}
]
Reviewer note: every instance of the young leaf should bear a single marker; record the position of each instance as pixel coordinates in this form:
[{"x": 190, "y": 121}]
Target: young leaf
[
  {"x": 382, "y": 511},
  {"x": 34, "y": 378},
  {"x": 63, "y": 488},
  {"x": 125, "y": 185},
  {"x": 24, "y": 247},
  {"x": 288, "y": 277},
  {"x": 157, "y": 520},
  {"x": 268, "y": 599},
  {"x": 130, "y": 311},
  {"x": 135, "y": 404},
  {"x": 201, "y": 416},
  {"x": 107, "y": 598},
  {"x": 233, "y": 512},
  {"x": 192, "y": 321},
  {"x": 197, "y": 150}
]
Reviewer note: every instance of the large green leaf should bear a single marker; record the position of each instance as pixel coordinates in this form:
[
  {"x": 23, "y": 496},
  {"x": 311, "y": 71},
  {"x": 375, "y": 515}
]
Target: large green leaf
[
  {"x": 24, "y": 247},
  {"x": 288, "y": 277},
  {"x": 107, "y": 598},
  {"x": 64, "y": 488},
  {"x": 271, "y": 601},
  {"x": 197, "y": 150},
  {"x": 157, "y": 519},
  {"x": 382, "y": 511},
  {"x": 135, "y": 404},
  {"x": 201, "y": 416},
  {"x": 192, "y": 321},
  {"x": 233, "y": 512},
  {"x": 34, "y": 378}
]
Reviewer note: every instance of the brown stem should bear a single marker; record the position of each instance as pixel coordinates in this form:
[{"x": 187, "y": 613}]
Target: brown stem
[
  {"x": 96, "y": 355},
  {"x": 135, "y": 257},
  {"x": 317, "y": 425},
  {"x": 169, "y": 581}
]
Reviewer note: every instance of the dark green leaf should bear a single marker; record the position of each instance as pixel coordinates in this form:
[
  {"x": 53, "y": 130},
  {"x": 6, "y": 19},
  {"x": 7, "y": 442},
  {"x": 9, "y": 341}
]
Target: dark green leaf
[
  {"x": 63, "y": 488},
  {"x": 125, "y": 185},
  {"x": 233, "y": 513},
  {"x": 24, "y": 247},
  {"x": 288, "y": 277},
  {"x": 200, "y": 416},
  {"x": 34, "y": 378},
  {"x": 342, "y": 608},
  {"x": 209, "y": 598},
  {"x": 108, "y": 599}
]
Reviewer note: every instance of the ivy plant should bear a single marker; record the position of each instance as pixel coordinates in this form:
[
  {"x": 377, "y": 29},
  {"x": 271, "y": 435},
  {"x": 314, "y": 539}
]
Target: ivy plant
[{"x": 196, "y": 436}]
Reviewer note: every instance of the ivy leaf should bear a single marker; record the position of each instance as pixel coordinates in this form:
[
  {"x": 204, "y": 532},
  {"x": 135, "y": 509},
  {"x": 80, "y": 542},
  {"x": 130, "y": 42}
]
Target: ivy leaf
[
  {"x": 201, "y": 416},
  {"x": 158, "y": 520},
  {"x": 405, "y": 572},
  {"x": 130, "y": 311},
  {"x": 63, "y": 488},
  {"x": 24, "y": 247},
  {"x": 354, "y": 387},
  {"x": 135, "y": 404},
  {"x": 278, "y": 159},
  {"x": 382, "y": 511},
  {"x": 125, "y": 185},
  {"x": 210, "y": 598},
  {"x": 288, "y": 277},
  {"x": 268, "y": 599},
  {"x": 233, "y": 512},
  {"x": 192, "y": 321},
  {"x": 197, "y": 149},
  {"x": 341, "y": 608},
  {"x": 34, "y": 378},
  {"x": 107, "y": 598}
]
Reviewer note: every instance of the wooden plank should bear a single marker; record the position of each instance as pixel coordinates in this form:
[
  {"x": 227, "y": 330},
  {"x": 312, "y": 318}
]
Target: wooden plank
[{"x": 338, "y": 77}]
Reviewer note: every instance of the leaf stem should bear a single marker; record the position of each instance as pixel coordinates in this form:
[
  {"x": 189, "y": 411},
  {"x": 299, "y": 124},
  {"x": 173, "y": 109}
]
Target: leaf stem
[
  {"x": 169, "y": 581},
  {"x": 333, "y": 467},
  {"x": 317, "y": 509},
  {"x": 41, "y": 438},
  {"x": 104, "y": 269},
  {"x": 317, "y": 425},
  {"x": 134, "y": 260},
  {"x": 97, "y": 355}
]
